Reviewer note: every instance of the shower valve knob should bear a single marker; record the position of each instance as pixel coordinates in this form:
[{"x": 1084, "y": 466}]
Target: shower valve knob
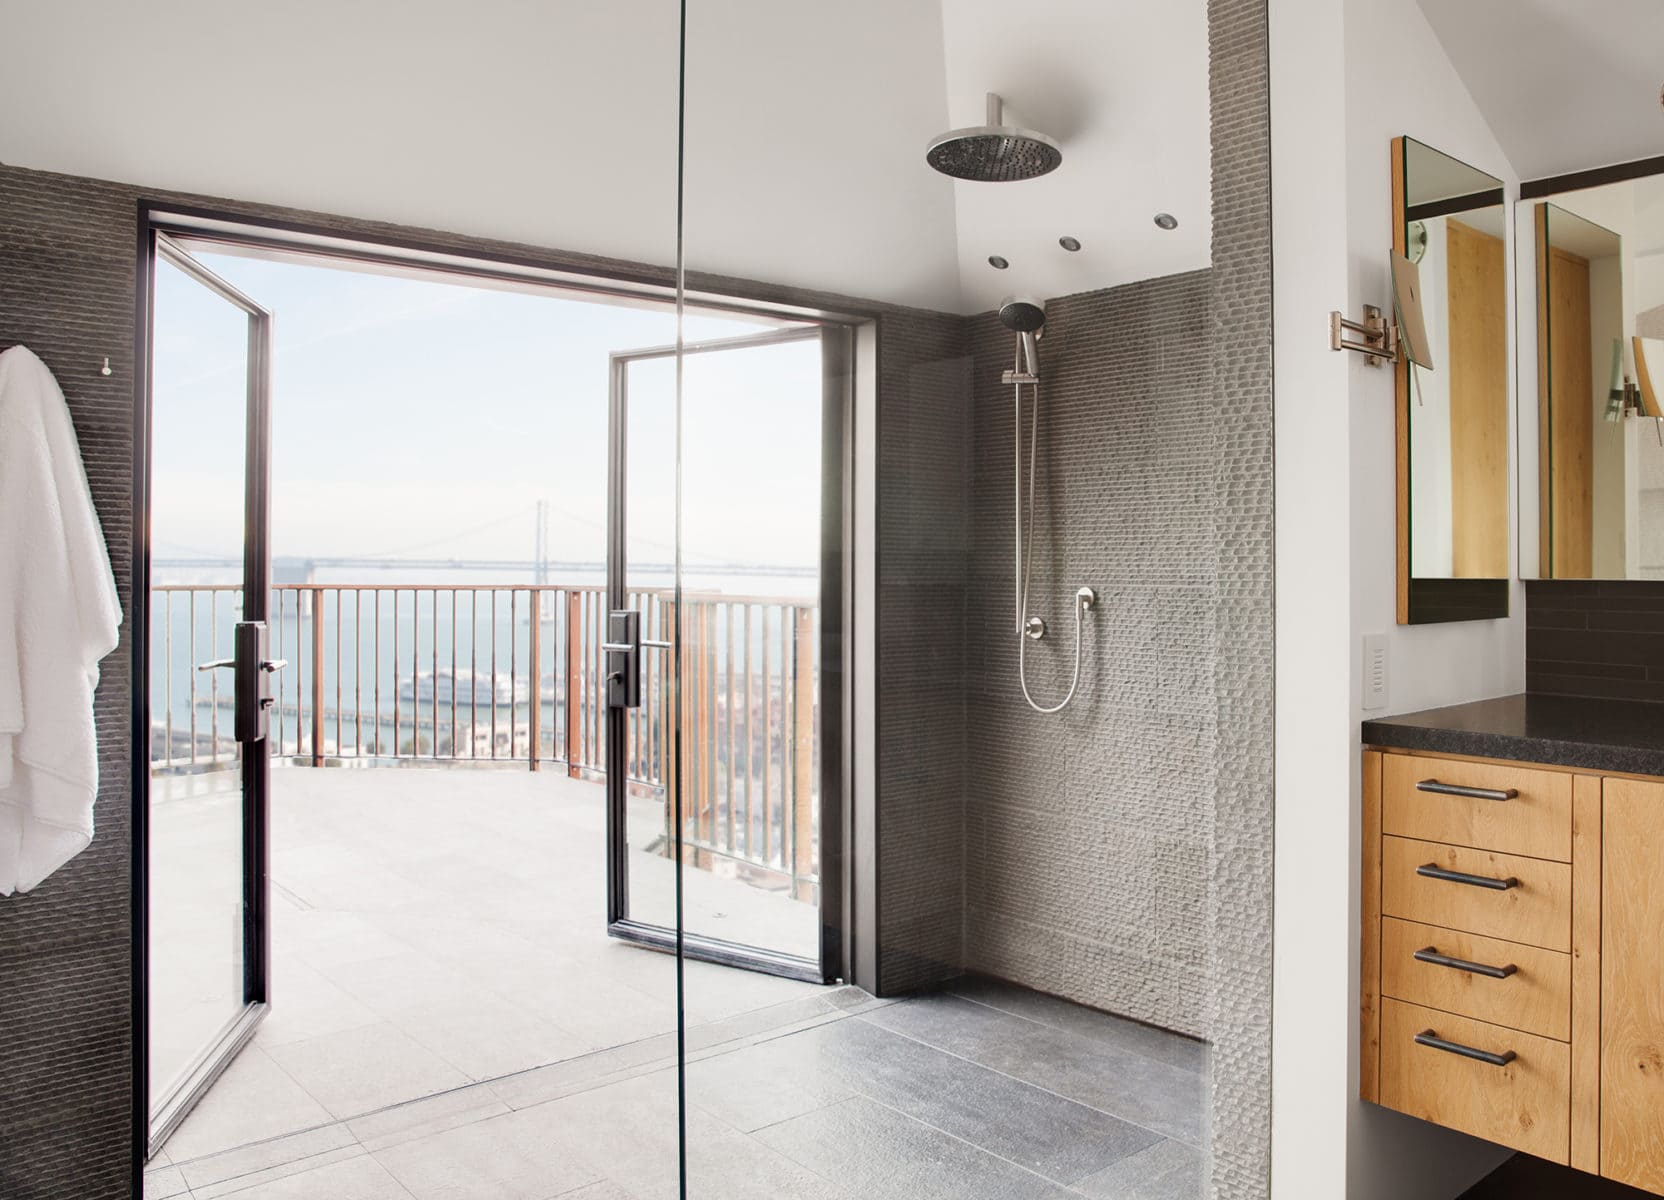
[{"x": 1035, "y": 628}]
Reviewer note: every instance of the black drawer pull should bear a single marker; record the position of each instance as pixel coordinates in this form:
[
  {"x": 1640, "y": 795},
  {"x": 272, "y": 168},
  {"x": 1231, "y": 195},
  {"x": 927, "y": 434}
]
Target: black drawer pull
[
  {"x": 1434, "y": 871},
  {"x": 1472, "y": 793},
  {"x": 1430, "y": 954},
  {"x": 1428, "y": 1038}
]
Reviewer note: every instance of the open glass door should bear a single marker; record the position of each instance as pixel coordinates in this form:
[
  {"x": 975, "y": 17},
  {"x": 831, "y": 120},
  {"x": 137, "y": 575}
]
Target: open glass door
[
  {"x": 715, "y": 649},
  {"x": 208, "y": 694}
]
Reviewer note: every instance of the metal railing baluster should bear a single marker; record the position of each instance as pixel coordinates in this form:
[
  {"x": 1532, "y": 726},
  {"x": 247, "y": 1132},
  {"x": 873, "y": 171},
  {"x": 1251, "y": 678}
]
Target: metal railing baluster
[
  {"x": 375, "y": 671},
  {"x": 513, "y": 671},
  {"x": 190, "y": 615}
]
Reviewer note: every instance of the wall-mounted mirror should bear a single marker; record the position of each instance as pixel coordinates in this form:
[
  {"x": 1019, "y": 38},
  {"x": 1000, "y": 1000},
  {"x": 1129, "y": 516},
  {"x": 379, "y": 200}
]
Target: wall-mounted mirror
[
  {"x": 1450, "y": 219},
  {"x": 1591, "y": 308}
]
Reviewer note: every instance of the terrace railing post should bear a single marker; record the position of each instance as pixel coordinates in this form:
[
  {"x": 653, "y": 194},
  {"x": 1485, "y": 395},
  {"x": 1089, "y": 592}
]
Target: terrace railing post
[
  {"x": 536, "y": 672},
  {"x": 574, "y": 682},
  {"x": 803, "y": 756},
  {"x": 317, "y": 677}
]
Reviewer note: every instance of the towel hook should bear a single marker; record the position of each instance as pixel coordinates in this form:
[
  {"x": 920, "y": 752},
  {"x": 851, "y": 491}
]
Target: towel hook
[{"x": 105, "y": 369}]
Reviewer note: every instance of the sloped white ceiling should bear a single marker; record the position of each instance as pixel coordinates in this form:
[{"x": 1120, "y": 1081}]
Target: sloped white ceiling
[
  {"x": 1565, "y": 85},
  {"x": 555, "y": 123},
  {"x": 1124, "y": 87}
]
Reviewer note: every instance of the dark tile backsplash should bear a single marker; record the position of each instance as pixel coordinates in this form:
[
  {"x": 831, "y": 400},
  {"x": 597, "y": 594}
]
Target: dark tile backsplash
[{"x": 1596, "y": 638}]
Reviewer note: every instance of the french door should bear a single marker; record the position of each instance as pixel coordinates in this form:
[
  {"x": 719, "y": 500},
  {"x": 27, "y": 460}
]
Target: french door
[
  {"x": 205, "y": 483},
  {"x": 720, "y": 692}
]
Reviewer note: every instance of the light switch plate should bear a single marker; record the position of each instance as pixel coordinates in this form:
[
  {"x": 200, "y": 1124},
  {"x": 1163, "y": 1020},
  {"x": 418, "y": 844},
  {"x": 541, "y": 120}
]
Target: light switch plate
[{"x": 1375, "y": 671}]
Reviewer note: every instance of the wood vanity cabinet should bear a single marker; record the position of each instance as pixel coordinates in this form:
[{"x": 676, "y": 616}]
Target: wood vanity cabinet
[{"x": 1513, "y": 956}]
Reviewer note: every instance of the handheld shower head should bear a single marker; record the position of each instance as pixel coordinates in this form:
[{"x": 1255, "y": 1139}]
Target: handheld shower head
[
  {"x": 1022, "y": 314},
  {"x": 1025, "y": 317}
]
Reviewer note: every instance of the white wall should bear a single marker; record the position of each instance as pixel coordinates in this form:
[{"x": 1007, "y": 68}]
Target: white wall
[
  {"x": 1355, "y": 75},
  {"x": 1124, "y": 88},
  {"x": 1311, "y": 1015}
]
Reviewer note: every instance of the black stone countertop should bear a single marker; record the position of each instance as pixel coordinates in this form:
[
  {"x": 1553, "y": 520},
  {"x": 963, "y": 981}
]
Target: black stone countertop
[{"x": 1567, "y": 731}]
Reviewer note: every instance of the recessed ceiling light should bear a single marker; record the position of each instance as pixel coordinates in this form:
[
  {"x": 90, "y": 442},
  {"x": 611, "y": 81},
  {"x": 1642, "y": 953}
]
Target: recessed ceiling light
[
  {"x": 997, "y": 262},
  {"x": 1068, "y": 243},
  {"x": 1167, "y": 221}
]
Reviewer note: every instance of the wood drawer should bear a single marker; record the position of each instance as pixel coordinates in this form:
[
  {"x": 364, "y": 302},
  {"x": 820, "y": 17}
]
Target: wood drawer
[
  {"x": 1536, "y": 997},
  {"x": 1537, "y": 910},
  {"x": 1525, "y": 1104},
  {"x": 1536, "y": 821}
]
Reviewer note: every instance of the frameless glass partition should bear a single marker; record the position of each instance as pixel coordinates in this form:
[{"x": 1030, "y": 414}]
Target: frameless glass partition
[
  {"x": 441, "y": 842},
  {"x": 919, "y": 581}
]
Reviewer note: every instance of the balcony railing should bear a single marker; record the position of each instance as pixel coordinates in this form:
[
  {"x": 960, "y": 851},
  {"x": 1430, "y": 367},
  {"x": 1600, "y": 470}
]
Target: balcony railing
[{"x": 389, "y": 674}]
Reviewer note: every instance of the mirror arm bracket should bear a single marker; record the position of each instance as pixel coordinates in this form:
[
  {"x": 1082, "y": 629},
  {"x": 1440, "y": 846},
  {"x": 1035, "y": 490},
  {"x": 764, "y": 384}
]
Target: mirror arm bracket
[{"x": 1378, "y": 340}]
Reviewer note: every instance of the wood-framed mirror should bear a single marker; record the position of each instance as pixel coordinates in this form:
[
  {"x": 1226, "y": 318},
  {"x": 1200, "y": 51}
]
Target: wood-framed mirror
[{"x": 1454, "y": 548}]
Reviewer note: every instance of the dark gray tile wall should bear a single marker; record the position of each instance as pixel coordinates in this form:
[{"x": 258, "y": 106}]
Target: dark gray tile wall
[
  {"x": 1087, "y": 831},
  {"x": 1602, "y": 639},
  {"x": 66, "y": 290},
  {"x": 924, "y": 442}
]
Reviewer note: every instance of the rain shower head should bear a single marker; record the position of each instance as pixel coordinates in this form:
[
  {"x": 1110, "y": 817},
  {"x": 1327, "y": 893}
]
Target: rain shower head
[{"x": 995, "y": 152}]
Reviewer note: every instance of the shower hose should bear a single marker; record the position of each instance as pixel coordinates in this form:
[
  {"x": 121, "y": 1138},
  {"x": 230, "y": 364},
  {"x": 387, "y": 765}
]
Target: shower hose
[{"x": 1028, "y": 553}]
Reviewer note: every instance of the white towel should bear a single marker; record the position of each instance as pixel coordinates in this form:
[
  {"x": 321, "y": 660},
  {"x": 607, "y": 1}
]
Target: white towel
[{"x": 59, "y": 615}]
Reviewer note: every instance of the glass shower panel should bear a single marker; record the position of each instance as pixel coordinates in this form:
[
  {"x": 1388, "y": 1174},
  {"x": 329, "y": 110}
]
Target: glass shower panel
[{"x": 997, "y": 749}]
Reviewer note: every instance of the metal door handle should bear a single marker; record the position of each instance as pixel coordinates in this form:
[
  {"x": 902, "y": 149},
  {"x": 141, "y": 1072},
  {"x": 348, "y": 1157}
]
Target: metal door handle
[
  {"x": 273, "y": 665},
  {"x": 1432, "y": 1040},
  {"x": 656, "y": 645},
  {"x": 1430, "y": 954},
  {"x": 217, "y": 664},
  {"x": 1471, "y": 793},
  {"x": 623, "y": 649},
  {"x": 1434, "y": 871}
]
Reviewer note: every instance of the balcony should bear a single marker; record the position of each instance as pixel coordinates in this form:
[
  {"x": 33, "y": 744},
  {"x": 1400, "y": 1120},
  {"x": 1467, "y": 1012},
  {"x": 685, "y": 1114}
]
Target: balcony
[{"x": 504, "y": 676}]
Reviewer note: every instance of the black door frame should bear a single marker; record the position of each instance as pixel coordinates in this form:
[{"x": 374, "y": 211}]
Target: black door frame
[
  {"x": 837, "y": 414},
  {"x": 848, "y": 904},
  {"x": 157, "y": 1118}
]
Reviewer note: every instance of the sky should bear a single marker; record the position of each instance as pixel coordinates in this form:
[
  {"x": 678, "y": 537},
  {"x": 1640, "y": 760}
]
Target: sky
[{"x": 426, "y": 418}]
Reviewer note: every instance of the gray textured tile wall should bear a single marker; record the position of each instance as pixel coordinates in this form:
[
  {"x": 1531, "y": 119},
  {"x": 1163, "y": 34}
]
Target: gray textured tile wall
[
  {"x": 1087, "y": 831},
  {"x": 1122, "y": 855},
  {"x": 1240, "y": 860}
]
